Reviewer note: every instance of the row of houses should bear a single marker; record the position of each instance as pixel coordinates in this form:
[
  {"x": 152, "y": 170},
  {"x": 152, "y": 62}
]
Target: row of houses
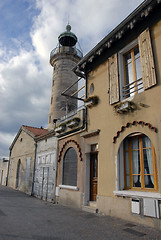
[{"x": 105, "y": 156}]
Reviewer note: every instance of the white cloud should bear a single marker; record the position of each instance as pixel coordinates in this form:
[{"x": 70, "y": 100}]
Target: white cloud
[{"x": 25, "y": 75}]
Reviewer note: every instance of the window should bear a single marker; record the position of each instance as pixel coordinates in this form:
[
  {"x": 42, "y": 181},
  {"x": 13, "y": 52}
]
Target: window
[
  {"x": 133, "y": 82},
  {"x": 139, "y": 163},
  {"x": 132, "y": 69},
  {"x": 70, "y": 168}
]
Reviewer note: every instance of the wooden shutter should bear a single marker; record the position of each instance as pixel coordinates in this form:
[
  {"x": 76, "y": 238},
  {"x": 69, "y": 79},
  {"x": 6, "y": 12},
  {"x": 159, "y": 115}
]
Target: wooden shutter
[
  {"x": 147, "y": 61},
  {"x": 114, "y": 79}
]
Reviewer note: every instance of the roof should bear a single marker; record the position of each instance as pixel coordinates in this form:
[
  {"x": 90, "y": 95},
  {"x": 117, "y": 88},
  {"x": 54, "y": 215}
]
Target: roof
[
  {"x": 142, "y": 12},
  {"x": 31, "y": 131},
  {"x": 35, "y": 131}
]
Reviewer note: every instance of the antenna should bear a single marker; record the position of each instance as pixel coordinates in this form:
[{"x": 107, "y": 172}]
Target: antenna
[{"x": 68, "y": 19}]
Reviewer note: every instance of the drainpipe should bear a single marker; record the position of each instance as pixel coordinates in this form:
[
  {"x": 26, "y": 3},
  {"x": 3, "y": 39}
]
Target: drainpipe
[
  {"x": 86, "y": 122},
  {"x": 8, "y": 168},
  {"x": 33, "y": 180}
]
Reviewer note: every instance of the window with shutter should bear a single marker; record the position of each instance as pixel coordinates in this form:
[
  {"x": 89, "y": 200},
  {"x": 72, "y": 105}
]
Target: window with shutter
[
  {"x": 70, "y": 167},
  {"x": 132, "y": 69}
]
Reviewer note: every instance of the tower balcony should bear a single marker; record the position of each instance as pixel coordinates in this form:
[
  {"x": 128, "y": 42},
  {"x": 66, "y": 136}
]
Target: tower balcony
[{"x": 66, "y": 50}]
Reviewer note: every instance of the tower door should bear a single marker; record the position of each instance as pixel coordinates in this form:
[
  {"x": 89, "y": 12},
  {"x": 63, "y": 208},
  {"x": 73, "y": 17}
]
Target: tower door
[{"x": 93, "y": 175}]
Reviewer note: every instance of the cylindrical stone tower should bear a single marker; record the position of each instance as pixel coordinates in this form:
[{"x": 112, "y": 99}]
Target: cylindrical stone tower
[{"x": 63, "y": 59}]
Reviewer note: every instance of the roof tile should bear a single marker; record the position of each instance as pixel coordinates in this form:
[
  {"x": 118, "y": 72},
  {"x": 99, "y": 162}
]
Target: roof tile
[{"x": 36, "y": 131}]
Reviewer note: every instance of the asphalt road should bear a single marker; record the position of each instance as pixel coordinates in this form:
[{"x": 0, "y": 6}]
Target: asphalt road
[{"x": 23, "y": 217}]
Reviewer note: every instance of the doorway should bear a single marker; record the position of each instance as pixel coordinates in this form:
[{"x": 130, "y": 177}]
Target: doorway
[
  {"x": 18, "y": 173},
  {"x": 93, "y": 172},
  {"x": 45, "y": 182}
]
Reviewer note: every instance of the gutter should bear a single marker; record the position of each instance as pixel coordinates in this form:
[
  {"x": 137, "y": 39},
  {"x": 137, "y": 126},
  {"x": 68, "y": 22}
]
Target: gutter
[{"x": 8, "y": 168}]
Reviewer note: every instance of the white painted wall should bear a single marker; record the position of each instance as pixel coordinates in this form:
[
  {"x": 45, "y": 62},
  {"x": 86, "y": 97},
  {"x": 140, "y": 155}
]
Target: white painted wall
[{"x": 45, "y": 169}]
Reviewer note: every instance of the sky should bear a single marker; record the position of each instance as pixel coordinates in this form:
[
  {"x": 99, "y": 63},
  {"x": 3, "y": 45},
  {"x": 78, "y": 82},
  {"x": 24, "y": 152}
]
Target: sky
[{"x": 29, "y": 30}]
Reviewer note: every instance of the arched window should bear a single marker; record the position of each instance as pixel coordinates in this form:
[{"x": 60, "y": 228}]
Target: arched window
[
  {"x": 140, "y": 169},
  {"x": 70, "y": 167}
]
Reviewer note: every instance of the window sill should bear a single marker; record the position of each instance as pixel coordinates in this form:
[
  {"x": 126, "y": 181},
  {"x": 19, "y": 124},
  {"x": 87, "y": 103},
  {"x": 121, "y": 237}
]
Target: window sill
[
  {"x": 69, "y": 187},
  {"x": 138, "y": 194}
]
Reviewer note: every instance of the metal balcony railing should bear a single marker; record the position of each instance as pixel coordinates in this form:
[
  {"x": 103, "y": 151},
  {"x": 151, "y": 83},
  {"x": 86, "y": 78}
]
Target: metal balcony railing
[
  {"x": 64, "y": 49},
  {"x": 132, "y": 88}
]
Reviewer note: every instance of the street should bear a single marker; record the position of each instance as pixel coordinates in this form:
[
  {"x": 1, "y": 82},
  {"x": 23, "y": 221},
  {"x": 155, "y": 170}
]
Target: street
[{"x": 23, "y": 217}]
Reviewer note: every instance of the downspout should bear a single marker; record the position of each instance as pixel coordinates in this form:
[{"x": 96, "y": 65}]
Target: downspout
[
  {"x": 8, "y": 168},
  {"x": 33, "y": 180},
  {"x": 86, "y": 122}
]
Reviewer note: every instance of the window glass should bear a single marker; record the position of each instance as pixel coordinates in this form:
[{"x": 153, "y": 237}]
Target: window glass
[
  {"x": 149, "y": 181},
  {"x": 136, "y": 181},
  {"x": 139, "y": 163},
  {"x": 70, "y": 167},
  {"x": 127, "y": 162},
  {"x": 132, "y": 73},
  {"x": 135, "y": 143},
  {"x": 146, "y": 142},
  {"x": 127, "y": 181},
  {"x": 136, "y": 162}
]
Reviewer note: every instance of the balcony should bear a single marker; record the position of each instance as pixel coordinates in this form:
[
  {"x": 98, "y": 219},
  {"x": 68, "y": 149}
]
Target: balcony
[
  {"x": 66, "y": 49},
  {"x": 71, "y": 122}
]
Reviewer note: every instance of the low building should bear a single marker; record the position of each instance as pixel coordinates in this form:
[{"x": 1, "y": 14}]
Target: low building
[
  {"x": 22, "y": 158},
  {"x": 45, "y": 166},
  {"x": 3, "y": 171}
]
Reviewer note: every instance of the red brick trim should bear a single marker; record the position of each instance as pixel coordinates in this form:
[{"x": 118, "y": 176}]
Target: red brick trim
[
  {"x": 134, "y": 123},
  {"x": 65, "y": 144}
]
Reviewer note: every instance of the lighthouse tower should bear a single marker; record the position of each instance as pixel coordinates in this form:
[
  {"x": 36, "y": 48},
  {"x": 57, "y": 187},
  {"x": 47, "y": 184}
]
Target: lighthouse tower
[{"x": 63, "y": 59}]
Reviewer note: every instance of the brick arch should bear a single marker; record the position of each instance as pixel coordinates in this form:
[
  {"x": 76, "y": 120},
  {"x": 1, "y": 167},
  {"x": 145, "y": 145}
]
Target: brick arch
[
  {"x": 134, "y": 123},
  {"x": 68, "y": 144}
]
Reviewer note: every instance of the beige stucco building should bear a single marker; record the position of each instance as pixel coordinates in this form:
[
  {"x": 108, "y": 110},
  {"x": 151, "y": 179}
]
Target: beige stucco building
[
  {"x": 119, "y": 173},
  {"x": 22, "y": 158}
]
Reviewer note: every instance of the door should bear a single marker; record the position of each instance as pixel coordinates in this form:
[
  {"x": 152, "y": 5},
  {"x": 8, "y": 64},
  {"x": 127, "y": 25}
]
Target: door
[
  {"x": 2, "y": 177},
  {"x": 18, "y": 173},
  {"x": 93, "y": 175},
  {"x": 45, "y": 181}
]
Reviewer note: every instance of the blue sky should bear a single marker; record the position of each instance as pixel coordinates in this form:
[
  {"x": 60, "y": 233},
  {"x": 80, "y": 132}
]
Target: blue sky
[
  {"x": 28, "y": 32},
  {"x": 17, "y": 17}
]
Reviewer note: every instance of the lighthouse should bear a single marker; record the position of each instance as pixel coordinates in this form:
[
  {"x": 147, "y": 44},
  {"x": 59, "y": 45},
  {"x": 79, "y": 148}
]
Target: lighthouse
[{"x": 63, "y": 59}]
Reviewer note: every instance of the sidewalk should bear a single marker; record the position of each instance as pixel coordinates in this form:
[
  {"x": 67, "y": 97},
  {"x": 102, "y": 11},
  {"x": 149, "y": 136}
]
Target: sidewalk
[{"x": 23, "y": 217}]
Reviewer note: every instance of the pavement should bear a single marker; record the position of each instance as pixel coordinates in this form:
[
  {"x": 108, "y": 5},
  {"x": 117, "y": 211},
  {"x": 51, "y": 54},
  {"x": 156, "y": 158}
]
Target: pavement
[{"x": 23, "y": 217}]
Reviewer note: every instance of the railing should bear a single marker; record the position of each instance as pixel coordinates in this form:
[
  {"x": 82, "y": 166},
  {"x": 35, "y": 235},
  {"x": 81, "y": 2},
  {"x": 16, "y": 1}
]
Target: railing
[
  {"x": 71, "y": 114},
  {"x": 63, "y": 49},
  {"x": 131, "y": 88}
]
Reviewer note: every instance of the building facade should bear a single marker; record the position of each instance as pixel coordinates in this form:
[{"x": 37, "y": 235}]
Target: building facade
[
  {"x": 45, "y": 167},
  {"x": 122, "y": 142},
  {"x": 3, "y": 171},
  {"x": 22, "y": 159}
]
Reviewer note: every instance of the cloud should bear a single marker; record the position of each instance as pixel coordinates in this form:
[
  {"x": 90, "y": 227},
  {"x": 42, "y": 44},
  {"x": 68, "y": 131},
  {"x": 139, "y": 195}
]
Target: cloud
[{"x": 25, "y": 72}]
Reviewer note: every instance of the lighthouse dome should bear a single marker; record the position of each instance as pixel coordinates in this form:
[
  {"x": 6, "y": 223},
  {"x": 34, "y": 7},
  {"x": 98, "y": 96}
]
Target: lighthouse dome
[{"x": 67, "y": 38}]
